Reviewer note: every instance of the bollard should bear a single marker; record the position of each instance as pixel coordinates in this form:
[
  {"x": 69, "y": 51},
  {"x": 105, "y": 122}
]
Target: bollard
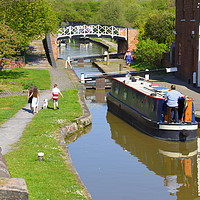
[
  {"x": 105, "y": 57},
  {"x": 120, "y": 68},
  {"x": 147, "y": 75},
  {"x": 40, "y": 156},
  {"x": 194, "y": 79},
  {"x": 82, "y": 78}
]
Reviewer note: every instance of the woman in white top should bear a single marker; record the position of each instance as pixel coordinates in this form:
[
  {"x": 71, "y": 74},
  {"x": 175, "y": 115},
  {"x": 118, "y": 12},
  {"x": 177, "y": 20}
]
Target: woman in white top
[{"x": 35, "y": 100}]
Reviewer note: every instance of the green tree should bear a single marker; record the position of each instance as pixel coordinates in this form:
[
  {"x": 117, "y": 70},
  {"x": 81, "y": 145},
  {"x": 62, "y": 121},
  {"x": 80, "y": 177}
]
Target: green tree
[
  {"x": 79, "y": 11},
  {"x": 150, "y": 52},
  {"x": 8, "y": 42},
  {"x": 112, "y": 13},
  {"x": 160, "y": 27},
  {"x": 136, "y": 15},
  {"x": 28, "y": 18}
]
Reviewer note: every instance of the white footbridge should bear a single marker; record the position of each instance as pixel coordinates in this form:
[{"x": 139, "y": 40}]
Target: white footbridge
[{"x": 92, "y": 30}]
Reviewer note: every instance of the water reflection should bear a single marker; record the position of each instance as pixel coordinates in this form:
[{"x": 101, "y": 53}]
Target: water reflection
[
  {"x": 77, "y": 48},
  {"x": 115, "y": 161},
  {"x": 174, "y": 161}
]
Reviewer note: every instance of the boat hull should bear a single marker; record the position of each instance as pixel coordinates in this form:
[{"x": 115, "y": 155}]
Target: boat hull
[{"x": 164, "y": 131}]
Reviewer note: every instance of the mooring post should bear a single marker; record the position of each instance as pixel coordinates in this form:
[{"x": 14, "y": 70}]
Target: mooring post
[
  {"x": 147, "y": 75},
  {"x": 120, "y": 68},
  {"x": 82, "y": 78},
  {"x": 106, "y": 58}
]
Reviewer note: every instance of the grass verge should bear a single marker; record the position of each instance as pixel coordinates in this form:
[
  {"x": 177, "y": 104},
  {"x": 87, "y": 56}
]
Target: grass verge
[
  {"x": 51, "y": 178},
  {"x": 10, "y": 105},
  {"x": 18, "y": 79}
]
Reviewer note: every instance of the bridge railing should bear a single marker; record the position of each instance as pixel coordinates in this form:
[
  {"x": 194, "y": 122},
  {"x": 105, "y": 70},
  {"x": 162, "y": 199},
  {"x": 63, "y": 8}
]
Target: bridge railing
[{"x": 92, "y": 30}]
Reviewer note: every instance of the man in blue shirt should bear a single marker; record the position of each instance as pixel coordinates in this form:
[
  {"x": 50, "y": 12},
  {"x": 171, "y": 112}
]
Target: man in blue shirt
[{"x": 172, "y": 97}]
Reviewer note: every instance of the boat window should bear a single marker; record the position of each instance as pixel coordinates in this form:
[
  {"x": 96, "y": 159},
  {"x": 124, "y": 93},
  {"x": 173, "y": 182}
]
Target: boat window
[
  {"x": 125, "y": 95},
  {"x": 116, "y": 90},
  {"x": 133, "y": 95}
]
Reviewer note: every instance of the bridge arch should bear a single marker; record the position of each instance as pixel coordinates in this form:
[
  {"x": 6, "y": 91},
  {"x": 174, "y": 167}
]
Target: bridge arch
[{"x": 127, "y": 38}]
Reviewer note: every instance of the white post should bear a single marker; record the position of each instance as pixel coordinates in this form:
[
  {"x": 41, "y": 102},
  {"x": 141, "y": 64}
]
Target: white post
[
  {"x": 194, "y": 80},
  {"x": 82, "y": 78},
  {"x": 105, "y": 57},
  {"x": 147, "y": 75},
  {"x": 41, "y": 156},
  {"x": 67, "y": 62}
]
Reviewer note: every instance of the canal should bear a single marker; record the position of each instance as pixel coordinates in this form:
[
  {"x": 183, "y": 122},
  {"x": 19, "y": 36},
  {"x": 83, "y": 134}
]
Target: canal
[{"x": 117, "y": 162}]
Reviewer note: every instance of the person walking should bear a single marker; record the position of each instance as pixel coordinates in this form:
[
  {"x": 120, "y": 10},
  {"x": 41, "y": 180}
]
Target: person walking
[
  {"x": 35, "y": 101},
  {"x": 55, "y": 93},
  {"x": 128, "y": 58},
  {"x": 172, "y": 97},
  {"x": 30, "y": 96}
]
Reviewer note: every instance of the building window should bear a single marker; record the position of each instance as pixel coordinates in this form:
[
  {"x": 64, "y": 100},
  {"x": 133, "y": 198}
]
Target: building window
[{"x": 116, "y": 90}]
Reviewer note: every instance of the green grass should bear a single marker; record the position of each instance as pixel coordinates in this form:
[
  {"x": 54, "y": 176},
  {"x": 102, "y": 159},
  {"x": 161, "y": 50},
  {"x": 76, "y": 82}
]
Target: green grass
[
  {"x": 18, "y": 79},
  {"x": 108, "y": 39},
  {"x": 51, "y": 178},
  {"x": 10, "y": 105}
]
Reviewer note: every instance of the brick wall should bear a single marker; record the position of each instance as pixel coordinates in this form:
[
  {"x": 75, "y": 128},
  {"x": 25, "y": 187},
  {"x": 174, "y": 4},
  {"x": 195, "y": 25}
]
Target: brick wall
[
  {"x": 54, "y": 46},
  {"x": 187, "y": 38},
  {"x": 12, "y": 62},
  {"x": 132, "y": 38},
  {"x": 130, "y": 43}
]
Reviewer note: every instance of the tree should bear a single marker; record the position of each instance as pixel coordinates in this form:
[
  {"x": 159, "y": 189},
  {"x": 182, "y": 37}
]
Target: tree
[
  {"x": 8, "y": 42},
  {"x": 28, "y": 18},
  {"x": 112, "y": 13},
  {"x": 150, "y": 52},
  {"x": 79, "y": 11},
  {"x": 160, "y": 27}
]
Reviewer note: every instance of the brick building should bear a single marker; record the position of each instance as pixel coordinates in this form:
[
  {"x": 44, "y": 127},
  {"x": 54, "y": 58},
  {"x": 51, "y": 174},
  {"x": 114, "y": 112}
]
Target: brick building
[{"x": 187, "y": 53}]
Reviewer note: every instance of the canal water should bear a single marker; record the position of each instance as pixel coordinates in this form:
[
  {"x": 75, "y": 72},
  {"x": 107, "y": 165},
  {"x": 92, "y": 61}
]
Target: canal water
[{"x": 117, "y": 162}]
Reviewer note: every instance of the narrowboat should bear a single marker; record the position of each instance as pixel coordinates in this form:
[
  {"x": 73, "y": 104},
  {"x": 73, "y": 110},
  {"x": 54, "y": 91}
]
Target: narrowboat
[{"x": 142, "y": 104}]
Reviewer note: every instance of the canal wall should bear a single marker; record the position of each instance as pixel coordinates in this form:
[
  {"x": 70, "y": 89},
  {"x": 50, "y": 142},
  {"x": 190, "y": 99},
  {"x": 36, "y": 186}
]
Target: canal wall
[
  {"x": 79, "y": 124},
  {"x": 11, "y": 188},
  {"x": 51, "y": 50}
]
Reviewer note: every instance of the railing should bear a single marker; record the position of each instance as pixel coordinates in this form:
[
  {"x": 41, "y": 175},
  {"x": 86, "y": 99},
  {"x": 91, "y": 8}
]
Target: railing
[
  {"x": 92, "y": 30},
  {"x": 92, "y": 77}
]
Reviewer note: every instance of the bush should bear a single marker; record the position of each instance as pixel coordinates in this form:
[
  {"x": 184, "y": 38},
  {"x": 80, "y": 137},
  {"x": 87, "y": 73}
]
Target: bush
[{"x": 150, "y": 52}]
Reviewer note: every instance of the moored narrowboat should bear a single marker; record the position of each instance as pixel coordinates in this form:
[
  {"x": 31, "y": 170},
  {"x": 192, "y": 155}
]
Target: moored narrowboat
[{"x": 142, "y": 104}]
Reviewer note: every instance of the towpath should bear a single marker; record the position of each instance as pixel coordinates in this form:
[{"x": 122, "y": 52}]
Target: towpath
[{"x": 11, "y": 130}]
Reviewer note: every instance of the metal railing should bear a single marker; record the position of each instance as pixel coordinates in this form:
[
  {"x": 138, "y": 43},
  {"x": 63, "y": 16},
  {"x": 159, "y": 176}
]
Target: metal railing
[
  {"x": 110, "y": 75},
  {"x": 92, "y": 30}
]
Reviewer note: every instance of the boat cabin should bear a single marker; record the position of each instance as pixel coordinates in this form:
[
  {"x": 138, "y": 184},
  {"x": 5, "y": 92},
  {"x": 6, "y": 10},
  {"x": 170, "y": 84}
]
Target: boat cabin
[{"x": 148, "y": 99}]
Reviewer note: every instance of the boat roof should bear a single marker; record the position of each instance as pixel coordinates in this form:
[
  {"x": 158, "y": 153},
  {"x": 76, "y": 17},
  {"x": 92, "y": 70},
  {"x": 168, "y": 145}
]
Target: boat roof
[{"x": 143, "y": 86}]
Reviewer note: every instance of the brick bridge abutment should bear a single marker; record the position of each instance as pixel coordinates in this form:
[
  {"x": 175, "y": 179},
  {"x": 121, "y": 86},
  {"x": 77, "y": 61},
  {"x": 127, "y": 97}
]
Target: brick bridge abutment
[{"x": 130, "y": 43}]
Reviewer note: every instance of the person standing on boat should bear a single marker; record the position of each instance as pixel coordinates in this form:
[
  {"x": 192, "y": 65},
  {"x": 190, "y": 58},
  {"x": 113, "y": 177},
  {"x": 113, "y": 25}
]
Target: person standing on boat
[
  {"x": 128, "y": 57},
  {"x": 172, "y": 97}
]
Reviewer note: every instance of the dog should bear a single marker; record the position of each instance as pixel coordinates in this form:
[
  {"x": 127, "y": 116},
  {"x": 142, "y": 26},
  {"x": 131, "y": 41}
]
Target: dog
[{"x": 45, "y": 104}]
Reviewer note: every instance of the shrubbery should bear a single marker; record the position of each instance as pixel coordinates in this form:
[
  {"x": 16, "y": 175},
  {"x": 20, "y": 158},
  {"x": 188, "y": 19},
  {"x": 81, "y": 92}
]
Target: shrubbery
[{"x": 150, "y": 52}]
